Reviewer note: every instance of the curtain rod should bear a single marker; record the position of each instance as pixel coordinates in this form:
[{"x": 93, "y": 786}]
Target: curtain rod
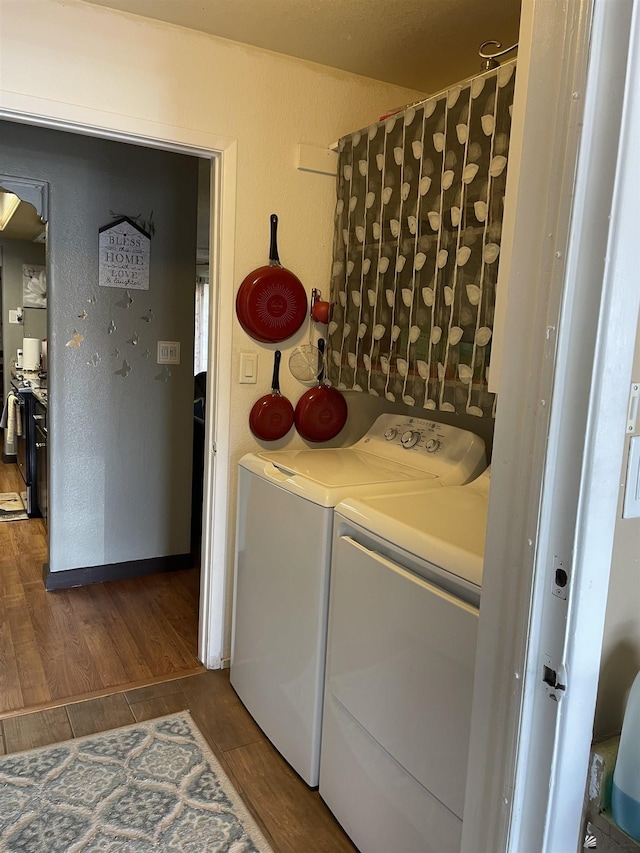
[{"x": 335, "y": 145}]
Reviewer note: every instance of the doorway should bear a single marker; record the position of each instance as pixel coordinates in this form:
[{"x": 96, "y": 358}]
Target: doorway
[
  {"x": 139, "y": 317},
  {"x": 23, "y": 259},
  {"x": 121, "y": 479},
  {"x": 221, "y": 151}
]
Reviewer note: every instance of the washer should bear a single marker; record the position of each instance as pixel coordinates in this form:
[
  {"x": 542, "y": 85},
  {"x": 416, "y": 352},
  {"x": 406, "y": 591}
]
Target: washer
[
  {"x": 406, "y": 578},
  {"x": 283, "y": 554}
]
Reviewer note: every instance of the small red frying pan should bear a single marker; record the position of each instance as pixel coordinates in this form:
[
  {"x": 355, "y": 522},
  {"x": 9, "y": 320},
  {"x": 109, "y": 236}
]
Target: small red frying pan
[
  {"x": 271, "y": 303},
  {"x": 271, "y": 416},
  {"x": 321, "y": 412}
]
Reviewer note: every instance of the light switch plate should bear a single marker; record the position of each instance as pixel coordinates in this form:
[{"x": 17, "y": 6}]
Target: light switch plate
[
  {"x": 248, "y": 368},
  {"x": 168, "y": 352}
]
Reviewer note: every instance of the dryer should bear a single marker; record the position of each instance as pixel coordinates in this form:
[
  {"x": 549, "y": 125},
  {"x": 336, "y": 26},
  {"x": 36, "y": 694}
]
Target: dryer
[
  {"x": 406, "y": 579},
  {"x": 283, "y": 556}
]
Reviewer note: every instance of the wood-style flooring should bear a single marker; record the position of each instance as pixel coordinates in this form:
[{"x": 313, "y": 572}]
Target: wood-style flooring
[
  {"x": 78, "y": 661},
  {"x": 56, "y": 646},
  {"x": 292, "y": 816}
]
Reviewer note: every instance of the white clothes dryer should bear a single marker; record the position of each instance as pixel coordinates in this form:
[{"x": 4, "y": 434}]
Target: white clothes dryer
[
  {"x": 283, "y": 555},
  {"x": 406, "y": 578}
]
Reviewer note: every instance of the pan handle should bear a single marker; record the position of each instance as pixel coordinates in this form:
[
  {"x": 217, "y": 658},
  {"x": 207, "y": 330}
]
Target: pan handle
[
  {"x": 275, "y": 382},
  {"x": 321, "y": 361},
  {"x": 274, "y": 258}
]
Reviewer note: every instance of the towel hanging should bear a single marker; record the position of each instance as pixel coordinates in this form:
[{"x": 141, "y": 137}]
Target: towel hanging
[{"x": 14, "y": 423}]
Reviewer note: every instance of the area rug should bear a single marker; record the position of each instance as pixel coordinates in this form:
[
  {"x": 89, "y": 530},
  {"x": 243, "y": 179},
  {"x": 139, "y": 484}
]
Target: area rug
[
  {"x": 152, "y": 787},
  {"x": 12, "y": 507}
]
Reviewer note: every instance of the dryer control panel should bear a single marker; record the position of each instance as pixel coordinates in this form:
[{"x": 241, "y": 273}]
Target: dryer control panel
[{"x": 440, "y": 450}]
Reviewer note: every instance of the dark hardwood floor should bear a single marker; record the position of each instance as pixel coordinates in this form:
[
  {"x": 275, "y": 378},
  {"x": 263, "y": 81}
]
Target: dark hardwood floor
[
  {"x": 78, "y": 661},
  {"x": 56, "y": 646}
]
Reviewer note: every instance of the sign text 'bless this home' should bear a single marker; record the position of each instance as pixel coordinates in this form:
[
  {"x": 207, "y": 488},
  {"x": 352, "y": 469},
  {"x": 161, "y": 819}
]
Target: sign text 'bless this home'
[{"x": 125, "y": 249}]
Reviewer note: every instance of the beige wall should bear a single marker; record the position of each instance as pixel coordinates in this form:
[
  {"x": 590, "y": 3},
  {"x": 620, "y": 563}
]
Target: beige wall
[
  {"x": 621, "y": 643},
  {"x": 127, "y": 66}
]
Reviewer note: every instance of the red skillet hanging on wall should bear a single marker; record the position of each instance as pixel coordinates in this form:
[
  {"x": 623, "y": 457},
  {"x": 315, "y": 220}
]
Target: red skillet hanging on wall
[
  {"x": 271, "y": 303},
  {"x": 271, "y": 416},
  {"x": 321, "y": 412}
]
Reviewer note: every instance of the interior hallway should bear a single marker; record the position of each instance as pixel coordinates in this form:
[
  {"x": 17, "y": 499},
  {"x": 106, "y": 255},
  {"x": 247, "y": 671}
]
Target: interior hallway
[
  {"x": 90, "y": 640},
  {"x": 78, "y": 661}
]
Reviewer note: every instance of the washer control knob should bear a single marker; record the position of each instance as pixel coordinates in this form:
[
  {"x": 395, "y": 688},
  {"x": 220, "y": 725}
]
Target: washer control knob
[
  {"x": 432, "y": 445},
  {"x": 390, "y": 433},
  {"x": 410, "y": 438}
]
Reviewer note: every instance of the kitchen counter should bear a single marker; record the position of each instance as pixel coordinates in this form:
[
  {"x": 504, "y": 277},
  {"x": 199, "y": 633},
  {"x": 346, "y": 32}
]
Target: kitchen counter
[{"x": 41, "y": 395}]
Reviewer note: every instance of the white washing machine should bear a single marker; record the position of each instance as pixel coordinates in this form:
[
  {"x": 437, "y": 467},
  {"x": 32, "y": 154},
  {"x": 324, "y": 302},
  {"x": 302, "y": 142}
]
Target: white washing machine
[
  {"x": 283, "y": 554},
  {"x": 406, "y": 577}
]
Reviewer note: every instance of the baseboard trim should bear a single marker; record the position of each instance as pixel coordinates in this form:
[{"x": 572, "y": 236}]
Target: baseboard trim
[
  {"x": 9, "y": 458},
  {"x": 115, "y": 571}
]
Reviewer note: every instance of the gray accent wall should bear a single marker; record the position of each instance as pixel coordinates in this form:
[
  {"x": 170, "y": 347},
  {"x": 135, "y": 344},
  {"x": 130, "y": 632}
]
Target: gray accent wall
[{"x": 120, "y": 435}]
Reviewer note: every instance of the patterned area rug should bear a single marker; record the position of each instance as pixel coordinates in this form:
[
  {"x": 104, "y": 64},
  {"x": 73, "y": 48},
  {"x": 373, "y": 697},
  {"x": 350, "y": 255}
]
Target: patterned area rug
[
  {"x": 12, "y": 506},
  {"x": 152, "y": 787}
]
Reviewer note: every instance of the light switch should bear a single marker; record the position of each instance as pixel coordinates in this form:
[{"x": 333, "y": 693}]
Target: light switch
[
  {"x": 168, "y": 352},
  {"x": 248, "y": 368},
  {"x": 631, "y": 507}
]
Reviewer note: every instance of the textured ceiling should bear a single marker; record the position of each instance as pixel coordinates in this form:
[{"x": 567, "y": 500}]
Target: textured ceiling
[{"x": 421, "y": 44}]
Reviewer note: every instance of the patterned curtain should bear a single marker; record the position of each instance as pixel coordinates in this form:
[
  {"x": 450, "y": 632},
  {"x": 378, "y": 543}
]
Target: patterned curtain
[{"x": 416, "y": 247}]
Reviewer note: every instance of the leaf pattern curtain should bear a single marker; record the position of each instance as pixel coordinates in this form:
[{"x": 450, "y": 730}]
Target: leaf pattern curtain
[{"x": 416, "y": 248}]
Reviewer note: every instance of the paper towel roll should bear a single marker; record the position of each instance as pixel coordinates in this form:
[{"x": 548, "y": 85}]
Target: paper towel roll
[{"x": 31, "y": 348}]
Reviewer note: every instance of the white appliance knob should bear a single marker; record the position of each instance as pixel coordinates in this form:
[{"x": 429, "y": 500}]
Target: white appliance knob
[
  {"x": 390, "y": 433},
  {"x": 432, "y": 445},
  {"x": 409, "y": 438}
]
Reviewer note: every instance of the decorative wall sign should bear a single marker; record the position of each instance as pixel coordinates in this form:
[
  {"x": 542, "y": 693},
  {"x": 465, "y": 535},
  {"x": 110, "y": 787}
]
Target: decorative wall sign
[
  {"x": 125, "y": 250},
  {"x": 34, "y": 286}
]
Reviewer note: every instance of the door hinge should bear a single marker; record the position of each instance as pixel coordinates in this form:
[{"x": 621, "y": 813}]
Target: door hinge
[{"x": 554, "y": 677}]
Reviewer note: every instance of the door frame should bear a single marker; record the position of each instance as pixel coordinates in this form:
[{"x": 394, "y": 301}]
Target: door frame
[
  {"x": 600, "y": 327},
  {"x": 560, "y": 433},
  {"x": 222, "y": 152}
]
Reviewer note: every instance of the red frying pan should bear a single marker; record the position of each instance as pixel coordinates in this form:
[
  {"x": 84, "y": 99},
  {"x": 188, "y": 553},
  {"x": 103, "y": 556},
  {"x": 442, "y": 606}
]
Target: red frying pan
[
  {"x": 271, "y": 303},
  {"x": 321, "y": 412},
  {"x": 271, "y": 416}
]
